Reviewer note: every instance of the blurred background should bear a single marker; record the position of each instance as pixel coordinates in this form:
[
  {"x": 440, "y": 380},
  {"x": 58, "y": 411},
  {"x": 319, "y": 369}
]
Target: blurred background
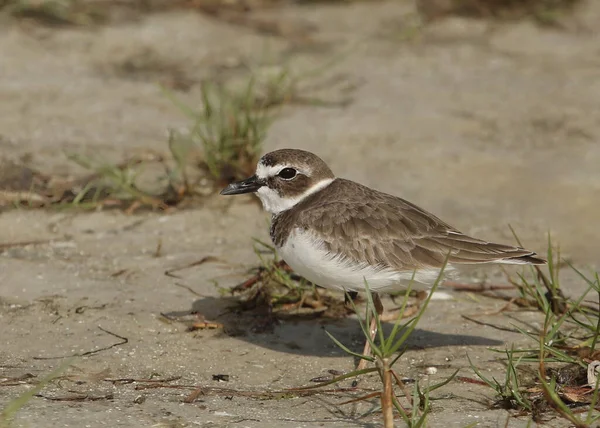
[
  {"x": 120, "y": 121},
  {"x": 484, "y": 112}
]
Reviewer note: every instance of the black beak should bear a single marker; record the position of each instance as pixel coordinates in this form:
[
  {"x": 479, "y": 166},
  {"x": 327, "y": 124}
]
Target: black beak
[{"x": 248, "y": 185}]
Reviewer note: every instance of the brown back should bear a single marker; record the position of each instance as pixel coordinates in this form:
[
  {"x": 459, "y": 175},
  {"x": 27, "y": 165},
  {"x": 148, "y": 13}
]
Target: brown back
[{"x": 367, "y": 226}]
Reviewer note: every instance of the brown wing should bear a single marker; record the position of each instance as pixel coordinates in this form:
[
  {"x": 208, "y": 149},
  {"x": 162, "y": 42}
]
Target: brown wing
[{"x": 365, "y": 225}]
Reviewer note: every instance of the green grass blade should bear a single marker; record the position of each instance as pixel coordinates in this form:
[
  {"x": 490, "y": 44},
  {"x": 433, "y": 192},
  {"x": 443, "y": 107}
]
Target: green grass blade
[
  {"x": 13, "y": 407},
  {"x": 392, "y": 337},
  {"x": 371, "y": 308},
  {"x": 347, "y": 350},
  {"x": 410, "y": 326},
  {"x": 364, "y": 325},
  {"x": 350, "y": 375},
  {"x": 433, "y": 387}
]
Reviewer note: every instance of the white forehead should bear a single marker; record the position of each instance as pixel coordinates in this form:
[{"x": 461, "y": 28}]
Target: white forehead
[{"x": 264, "y": 171}]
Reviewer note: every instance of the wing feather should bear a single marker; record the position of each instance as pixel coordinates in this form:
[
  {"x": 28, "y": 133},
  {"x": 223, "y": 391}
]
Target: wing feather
[{"x": 367, "y": 226}]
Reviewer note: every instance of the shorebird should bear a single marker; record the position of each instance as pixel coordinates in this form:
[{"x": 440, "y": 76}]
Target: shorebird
[{"x": 338, "y": 233}]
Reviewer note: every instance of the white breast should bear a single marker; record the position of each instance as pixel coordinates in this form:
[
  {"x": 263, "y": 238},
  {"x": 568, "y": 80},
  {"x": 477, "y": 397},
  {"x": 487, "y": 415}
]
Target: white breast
[{"x": 307, "y": 256}]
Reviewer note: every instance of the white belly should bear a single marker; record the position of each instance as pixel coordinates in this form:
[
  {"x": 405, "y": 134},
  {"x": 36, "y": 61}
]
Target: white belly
[{"x": 307, "y": 257}]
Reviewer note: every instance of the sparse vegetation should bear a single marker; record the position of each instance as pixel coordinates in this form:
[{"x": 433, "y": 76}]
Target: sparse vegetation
[
  {"x": 229, "y": 130},
  {"x": 554, "y": 374},
  {"x": 563, "y": 352},
  {"x": 275, "y": 287},
  {"x": 94, "y": 12},
  {"x": 552, "y": 377},
  {"x": 225, "y": 140},
  {"x": 222, "y": 144},
  {"x": 545, "y": 12}
]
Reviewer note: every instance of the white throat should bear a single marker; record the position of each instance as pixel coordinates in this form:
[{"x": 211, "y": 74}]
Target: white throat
[{"x": 275, "y": 204}]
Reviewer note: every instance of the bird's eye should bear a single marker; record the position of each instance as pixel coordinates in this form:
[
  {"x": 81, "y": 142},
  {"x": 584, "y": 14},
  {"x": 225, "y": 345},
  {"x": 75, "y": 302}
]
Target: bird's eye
[{"x": 287, "y": 173}]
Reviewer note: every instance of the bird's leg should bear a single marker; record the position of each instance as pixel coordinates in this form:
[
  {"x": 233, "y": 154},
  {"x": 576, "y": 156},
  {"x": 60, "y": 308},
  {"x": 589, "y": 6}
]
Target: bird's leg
[
  {"x": 362, "y": 364},
  {"x": 377, "y": 303}
]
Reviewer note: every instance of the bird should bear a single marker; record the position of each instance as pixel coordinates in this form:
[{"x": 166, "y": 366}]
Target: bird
[{"x": 339, "y": 234}]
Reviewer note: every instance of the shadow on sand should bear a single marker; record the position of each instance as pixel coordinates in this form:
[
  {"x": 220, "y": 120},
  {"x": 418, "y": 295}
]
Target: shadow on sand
[{"x": 306, "y": 335}]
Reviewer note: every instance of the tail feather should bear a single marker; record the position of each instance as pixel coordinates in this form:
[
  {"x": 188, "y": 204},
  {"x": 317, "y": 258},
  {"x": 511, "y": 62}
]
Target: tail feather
[
  {"x": 468, "y": 250},
  {"x": 524, "y": 260}
]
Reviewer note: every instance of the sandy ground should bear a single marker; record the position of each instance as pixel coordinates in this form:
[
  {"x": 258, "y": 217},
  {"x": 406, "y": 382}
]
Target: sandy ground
[{"x": 483, "y": 123}]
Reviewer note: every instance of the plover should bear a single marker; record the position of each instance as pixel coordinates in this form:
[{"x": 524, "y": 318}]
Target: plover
[{"x": 338, "y": 233}]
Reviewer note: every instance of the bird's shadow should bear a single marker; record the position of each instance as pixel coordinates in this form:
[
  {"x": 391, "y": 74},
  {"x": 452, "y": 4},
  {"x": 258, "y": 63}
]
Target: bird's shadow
[{"x": 306, "y": 336}]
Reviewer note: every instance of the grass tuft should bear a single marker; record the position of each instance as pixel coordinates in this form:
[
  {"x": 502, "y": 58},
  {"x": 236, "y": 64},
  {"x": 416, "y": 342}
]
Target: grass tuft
[
  {"x": 229, "y": 129},
  {"x": 275, "y": 288},
  {"x": 222, "y": 144},
  {"x": 563, "y": 350}
]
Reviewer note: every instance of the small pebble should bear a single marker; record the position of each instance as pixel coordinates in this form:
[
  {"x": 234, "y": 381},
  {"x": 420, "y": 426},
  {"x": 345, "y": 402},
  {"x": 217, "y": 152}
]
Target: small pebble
[{"x": 431, "y": 370}]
